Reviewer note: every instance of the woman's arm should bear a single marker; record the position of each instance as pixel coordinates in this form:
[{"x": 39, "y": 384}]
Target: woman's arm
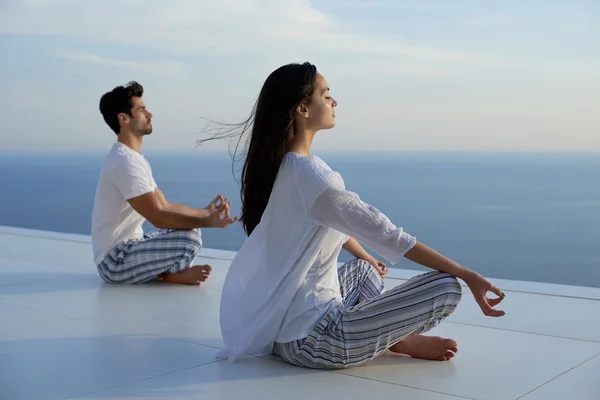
[
  {"x": 355, "y": 249},
  {"x": 427, "y": 257},
  {"x": 345, "y": 212}
]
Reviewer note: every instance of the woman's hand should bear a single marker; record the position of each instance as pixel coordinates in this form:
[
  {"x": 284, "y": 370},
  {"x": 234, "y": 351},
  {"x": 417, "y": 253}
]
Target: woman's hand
[
  {"x": 479, "y": 287},
  {"x": 426, "y": 256},
  {"x": 378, "y": 265}
]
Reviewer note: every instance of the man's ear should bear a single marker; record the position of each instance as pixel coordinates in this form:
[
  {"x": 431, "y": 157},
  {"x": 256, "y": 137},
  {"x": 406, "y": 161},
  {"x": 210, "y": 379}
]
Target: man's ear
[{"x": 123, "y": 118}]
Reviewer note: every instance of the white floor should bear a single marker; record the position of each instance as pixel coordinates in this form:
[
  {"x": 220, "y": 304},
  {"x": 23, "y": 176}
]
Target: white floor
[{"x": 64, "y": 334}]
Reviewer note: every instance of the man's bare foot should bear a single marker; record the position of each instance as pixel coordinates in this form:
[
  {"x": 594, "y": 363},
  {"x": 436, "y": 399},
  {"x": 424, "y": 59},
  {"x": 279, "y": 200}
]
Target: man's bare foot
[
  {"x": 194, "y": 275},
  {"x": 426, "y": 347}
]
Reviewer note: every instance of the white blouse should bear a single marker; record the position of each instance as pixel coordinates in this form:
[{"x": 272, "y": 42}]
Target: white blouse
[{"x": 283, "y": 279}]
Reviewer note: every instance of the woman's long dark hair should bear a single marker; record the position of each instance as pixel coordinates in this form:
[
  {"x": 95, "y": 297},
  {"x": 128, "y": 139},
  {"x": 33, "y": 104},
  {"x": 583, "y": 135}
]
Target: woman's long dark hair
[{"x": 272, "y": 122}]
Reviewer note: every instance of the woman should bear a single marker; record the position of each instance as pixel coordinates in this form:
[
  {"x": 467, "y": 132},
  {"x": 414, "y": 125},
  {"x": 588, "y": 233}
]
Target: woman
[{"x": 283, "y": 292}]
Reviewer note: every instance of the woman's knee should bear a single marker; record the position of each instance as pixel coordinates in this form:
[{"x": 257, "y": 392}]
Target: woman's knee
[
  {"x": 365, "y": 268},
  {"x": 362, "y": 265},
  {"x": 354, "y": 267},
  {"x": 450, "y": 286},
  {"x": 445, "y": 285}
]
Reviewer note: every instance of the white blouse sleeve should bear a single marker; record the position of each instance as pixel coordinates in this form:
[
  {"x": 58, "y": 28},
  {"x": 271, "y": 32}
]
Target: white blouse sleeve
[{"x": 344, "y": 211}]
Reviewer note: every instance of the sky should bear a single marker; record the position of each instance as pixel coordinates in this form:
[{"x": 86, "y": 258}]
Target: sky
[{"x": 408, "y": 75}]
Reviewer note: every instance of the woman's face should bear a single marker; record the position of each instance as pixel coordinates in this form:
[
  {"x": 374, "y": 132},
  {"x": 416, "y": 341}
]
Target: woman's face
[{"x": 320, "y": 113}]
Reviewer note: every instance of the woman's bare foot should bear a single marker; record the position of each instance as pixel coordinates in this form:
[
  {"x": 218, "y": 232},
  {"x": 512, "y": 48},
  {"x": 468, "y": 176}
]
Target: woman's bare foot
[
  {"x": 194, "y": 275},
  {"x": 426, "y": 347}
]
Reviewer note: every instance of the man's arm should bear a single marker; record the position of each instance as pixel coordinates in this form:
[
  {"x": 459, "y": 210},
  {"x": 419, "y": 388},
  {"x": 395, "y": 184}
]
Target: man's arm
[
  {"x": 180, "y": 208},
  {"x": 150, "y": 206},
  {"x": 132, "y": 179}
]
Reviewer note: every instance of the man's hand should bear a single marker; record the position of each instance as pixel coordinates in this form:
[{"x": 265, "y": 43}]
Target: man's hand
[
  {"x": 219, "y": 213},
  {"x": 217, "y": 202}
]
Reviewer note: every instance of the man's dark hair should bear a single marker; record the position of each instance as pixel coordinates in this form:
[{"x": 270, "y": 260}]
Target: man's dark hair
[{"x": 119, "y": 101}]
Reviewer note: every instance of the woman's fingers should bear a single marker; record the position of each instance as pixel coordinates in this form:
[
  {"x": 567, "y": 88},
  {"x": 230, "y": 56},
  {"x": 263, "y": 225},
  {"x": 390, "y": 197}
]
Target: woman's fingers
[
  {"x": 495, "y": 302},
  {"x": 496, "y": 291},
  {"x": 487, "y": 308}
]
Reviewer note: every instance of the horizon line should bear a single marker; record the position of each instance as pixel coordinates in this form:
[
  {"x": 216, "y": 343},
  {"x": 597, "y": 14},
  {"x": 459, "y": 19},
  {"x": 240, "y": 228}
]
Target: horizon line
[{"x": 75, "y": 151}]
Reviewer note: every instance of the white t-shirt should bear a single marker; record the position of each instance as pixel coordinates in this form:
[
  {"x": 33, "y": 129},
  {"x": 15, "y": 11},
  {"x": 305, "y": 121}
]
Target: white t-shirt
[
  {"x": 125, "y": 174},
  {"x": 284, "y": 279}
]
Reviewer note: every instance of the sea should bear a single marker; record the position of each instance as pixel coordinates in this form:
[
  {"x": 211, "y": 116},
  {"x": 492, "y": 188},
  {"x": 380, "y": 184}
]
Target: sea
[{"x": 523, "y": 216}]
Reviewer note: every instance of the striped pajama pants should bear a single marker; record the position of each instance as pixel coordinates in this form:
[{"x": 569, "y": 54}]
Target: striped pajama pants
[
  {"x": 165, "y": 251},
  {"x": 370, "y": 321}
]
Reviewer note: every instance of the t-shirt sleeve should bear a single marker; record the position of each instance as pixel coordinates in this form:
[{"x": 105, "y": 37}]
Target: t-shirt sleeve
[{"x": 132, "y": 178}]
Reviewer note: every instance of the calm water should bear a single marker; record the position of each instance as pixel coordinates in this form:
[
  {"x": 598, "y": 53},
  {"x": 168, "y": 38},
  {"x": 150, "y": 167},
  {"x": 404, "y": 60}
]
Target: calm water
[{"x": 526, "y": 217}]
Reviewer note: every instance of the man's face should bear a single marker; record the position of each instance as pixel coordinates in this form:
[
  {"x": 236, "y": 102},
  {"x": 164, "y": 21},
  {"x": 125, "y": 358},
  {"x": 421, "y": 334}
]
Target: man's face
[{"x": 140, "y": 121}]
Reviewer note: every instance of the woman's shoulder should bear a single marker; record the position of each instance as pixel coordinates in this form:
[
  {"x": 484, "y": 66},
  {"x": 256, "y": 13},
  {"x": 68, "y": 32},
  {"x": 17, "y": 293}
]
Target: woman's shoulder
[
  {"x": 312, "y": 170},
  {"x": 308, "y": 163}
]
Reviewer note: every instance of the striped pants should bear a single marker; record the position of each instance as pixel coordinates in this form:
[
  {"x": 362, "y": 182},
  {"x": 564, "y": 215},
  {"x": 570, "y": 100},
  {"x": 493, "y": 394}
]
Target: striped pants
[
  {"x": 370, "y": 321},
  {"x": 166, "y": 251}
]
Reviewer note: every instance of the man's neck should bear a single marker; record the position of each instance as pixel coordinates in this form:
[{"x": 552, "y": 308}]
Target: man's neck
[{"x": 130, "y": 140}]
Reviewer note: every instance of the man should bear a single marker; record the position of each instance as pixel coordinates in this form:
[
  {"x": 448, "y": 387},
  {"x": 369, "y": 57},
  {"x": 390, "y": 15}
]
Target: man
[{"x": 127, "y": 195}]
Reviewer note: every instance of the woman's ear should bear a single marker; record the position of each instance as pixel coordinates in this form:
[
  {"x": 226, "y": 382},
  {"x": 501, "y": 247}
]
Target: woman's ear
[{"x": 302, "y": 110}]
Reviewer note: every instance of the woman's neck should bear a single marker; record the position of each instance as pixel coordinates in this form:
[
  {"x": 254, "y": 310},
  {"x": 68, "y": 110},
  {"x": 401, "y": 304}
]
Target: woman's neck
[{"x": 302, "y": 142}]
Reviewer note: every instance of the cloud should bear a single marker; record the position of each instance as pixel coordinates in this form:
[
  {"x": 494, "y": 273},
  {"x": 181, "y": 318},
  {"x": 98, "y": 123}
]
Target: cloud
[
  {"x": 155, "y": 67},
  {"x": 427, "y": 89},
  {"x": 213, "y": 27}
]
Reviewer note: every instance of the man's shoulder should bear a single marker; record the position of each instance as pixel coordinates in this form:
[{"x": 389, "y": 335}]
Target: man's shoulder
[{"x": 117, "y": 159}]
